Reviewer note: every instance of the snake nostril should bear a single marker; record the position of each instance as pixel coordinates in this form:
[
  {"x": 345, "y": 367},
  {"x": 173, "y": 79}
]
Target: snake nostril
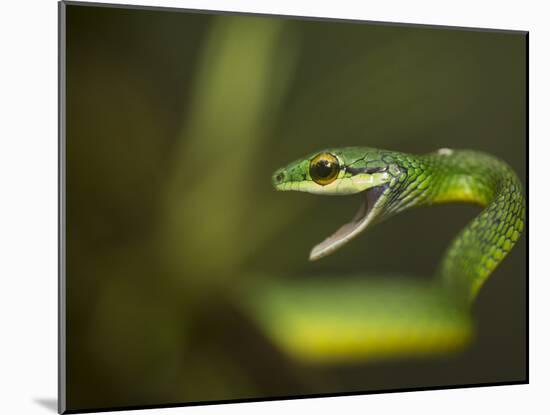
[{"x": 280, "y": 177}]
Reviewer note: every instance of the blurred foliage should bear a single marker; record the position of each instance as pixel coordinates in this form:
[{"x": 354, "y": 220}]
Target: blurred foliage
[{"x": 175, "y": 122}]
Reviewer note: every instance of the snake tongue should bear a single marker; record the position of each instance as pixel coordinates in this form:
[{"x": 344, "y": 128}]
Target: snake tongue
[{"x": 367, "y": 212}]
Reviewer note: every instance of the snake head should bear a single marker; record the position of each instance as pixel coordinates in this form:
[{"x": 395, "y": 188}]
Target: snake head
[{"x": 343, "y": 171}]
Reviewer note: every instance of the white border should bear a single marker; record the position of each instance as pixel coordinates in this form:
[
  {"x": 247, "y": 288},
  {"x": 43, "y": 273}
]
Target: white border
[{"x": 28, "y": 208}]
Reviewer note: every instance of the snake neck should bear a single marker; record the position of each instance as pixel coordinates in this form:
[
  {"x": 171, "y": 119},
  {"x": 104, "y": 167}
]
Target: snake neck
[{"x": 465, "y": 176}]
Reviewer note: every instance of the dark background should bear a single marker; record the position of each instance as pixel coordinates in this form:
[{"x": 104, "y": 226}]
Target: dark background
[{"x": 175, "y": 123}]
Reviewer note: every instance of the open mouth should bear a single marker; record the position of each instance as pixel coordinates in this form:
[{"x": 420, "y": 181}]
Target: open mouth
[{"x": 367, "y": 213}]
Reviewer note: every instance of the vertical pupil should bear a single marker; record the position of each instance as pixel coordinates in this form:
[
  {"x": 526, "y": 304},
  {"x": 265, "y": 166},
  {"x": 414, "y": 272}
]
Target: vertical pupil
[{"x": 324, "y": 168}]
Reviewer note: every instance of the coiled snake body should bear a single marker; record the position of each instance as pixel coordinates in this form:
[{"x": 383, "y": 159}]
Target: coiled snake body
[{"x": 363, "y": 318}]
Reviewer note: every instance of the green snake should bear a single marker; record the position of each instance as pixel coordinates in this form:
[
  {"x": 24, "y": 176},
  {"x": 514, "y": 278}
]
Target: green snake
[{"x": 362, "y": 318}]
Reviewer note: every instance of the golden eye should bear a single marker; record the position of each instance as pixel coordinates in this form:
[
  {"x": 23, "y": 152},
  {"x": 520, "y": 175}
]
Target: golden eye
[{"x": 324, "y": 168}]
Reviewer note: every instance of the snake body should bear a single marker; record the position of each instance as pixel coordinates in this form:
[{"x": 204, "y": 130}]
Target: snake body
[{"x": 360, "y": 317}]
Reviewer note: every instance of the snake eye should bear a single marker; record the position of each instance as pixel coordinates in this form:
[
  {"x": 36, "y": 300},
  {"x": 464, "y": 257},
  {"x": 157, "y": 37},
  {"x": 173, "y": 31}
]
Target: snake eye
[{"x": 324, "y": 168}]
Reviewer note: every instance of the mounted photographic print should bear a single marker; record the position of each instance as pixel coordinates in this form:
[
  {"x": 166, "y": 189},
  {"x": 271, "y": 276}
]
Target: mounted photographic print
[{"x": 258, "y": 207}]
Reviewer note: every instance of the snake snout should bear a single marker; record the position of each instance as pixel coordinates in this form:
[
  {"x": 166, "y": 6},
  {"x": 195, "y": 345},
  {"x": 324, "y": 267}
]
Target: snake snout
[{"x": 278, "y": 178}]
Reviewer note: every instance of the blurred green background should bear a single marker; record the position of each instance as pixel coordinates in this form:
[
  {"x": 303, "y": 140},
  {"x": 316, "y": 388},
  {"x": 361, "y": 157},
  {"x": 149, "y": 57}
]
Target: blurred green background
[{"x": 175, "y": 123}]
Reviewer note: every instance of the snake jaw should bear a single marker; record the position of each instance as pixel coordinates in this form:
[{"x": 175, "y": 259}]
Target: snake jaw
[{"x": 368, "y": 212}]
